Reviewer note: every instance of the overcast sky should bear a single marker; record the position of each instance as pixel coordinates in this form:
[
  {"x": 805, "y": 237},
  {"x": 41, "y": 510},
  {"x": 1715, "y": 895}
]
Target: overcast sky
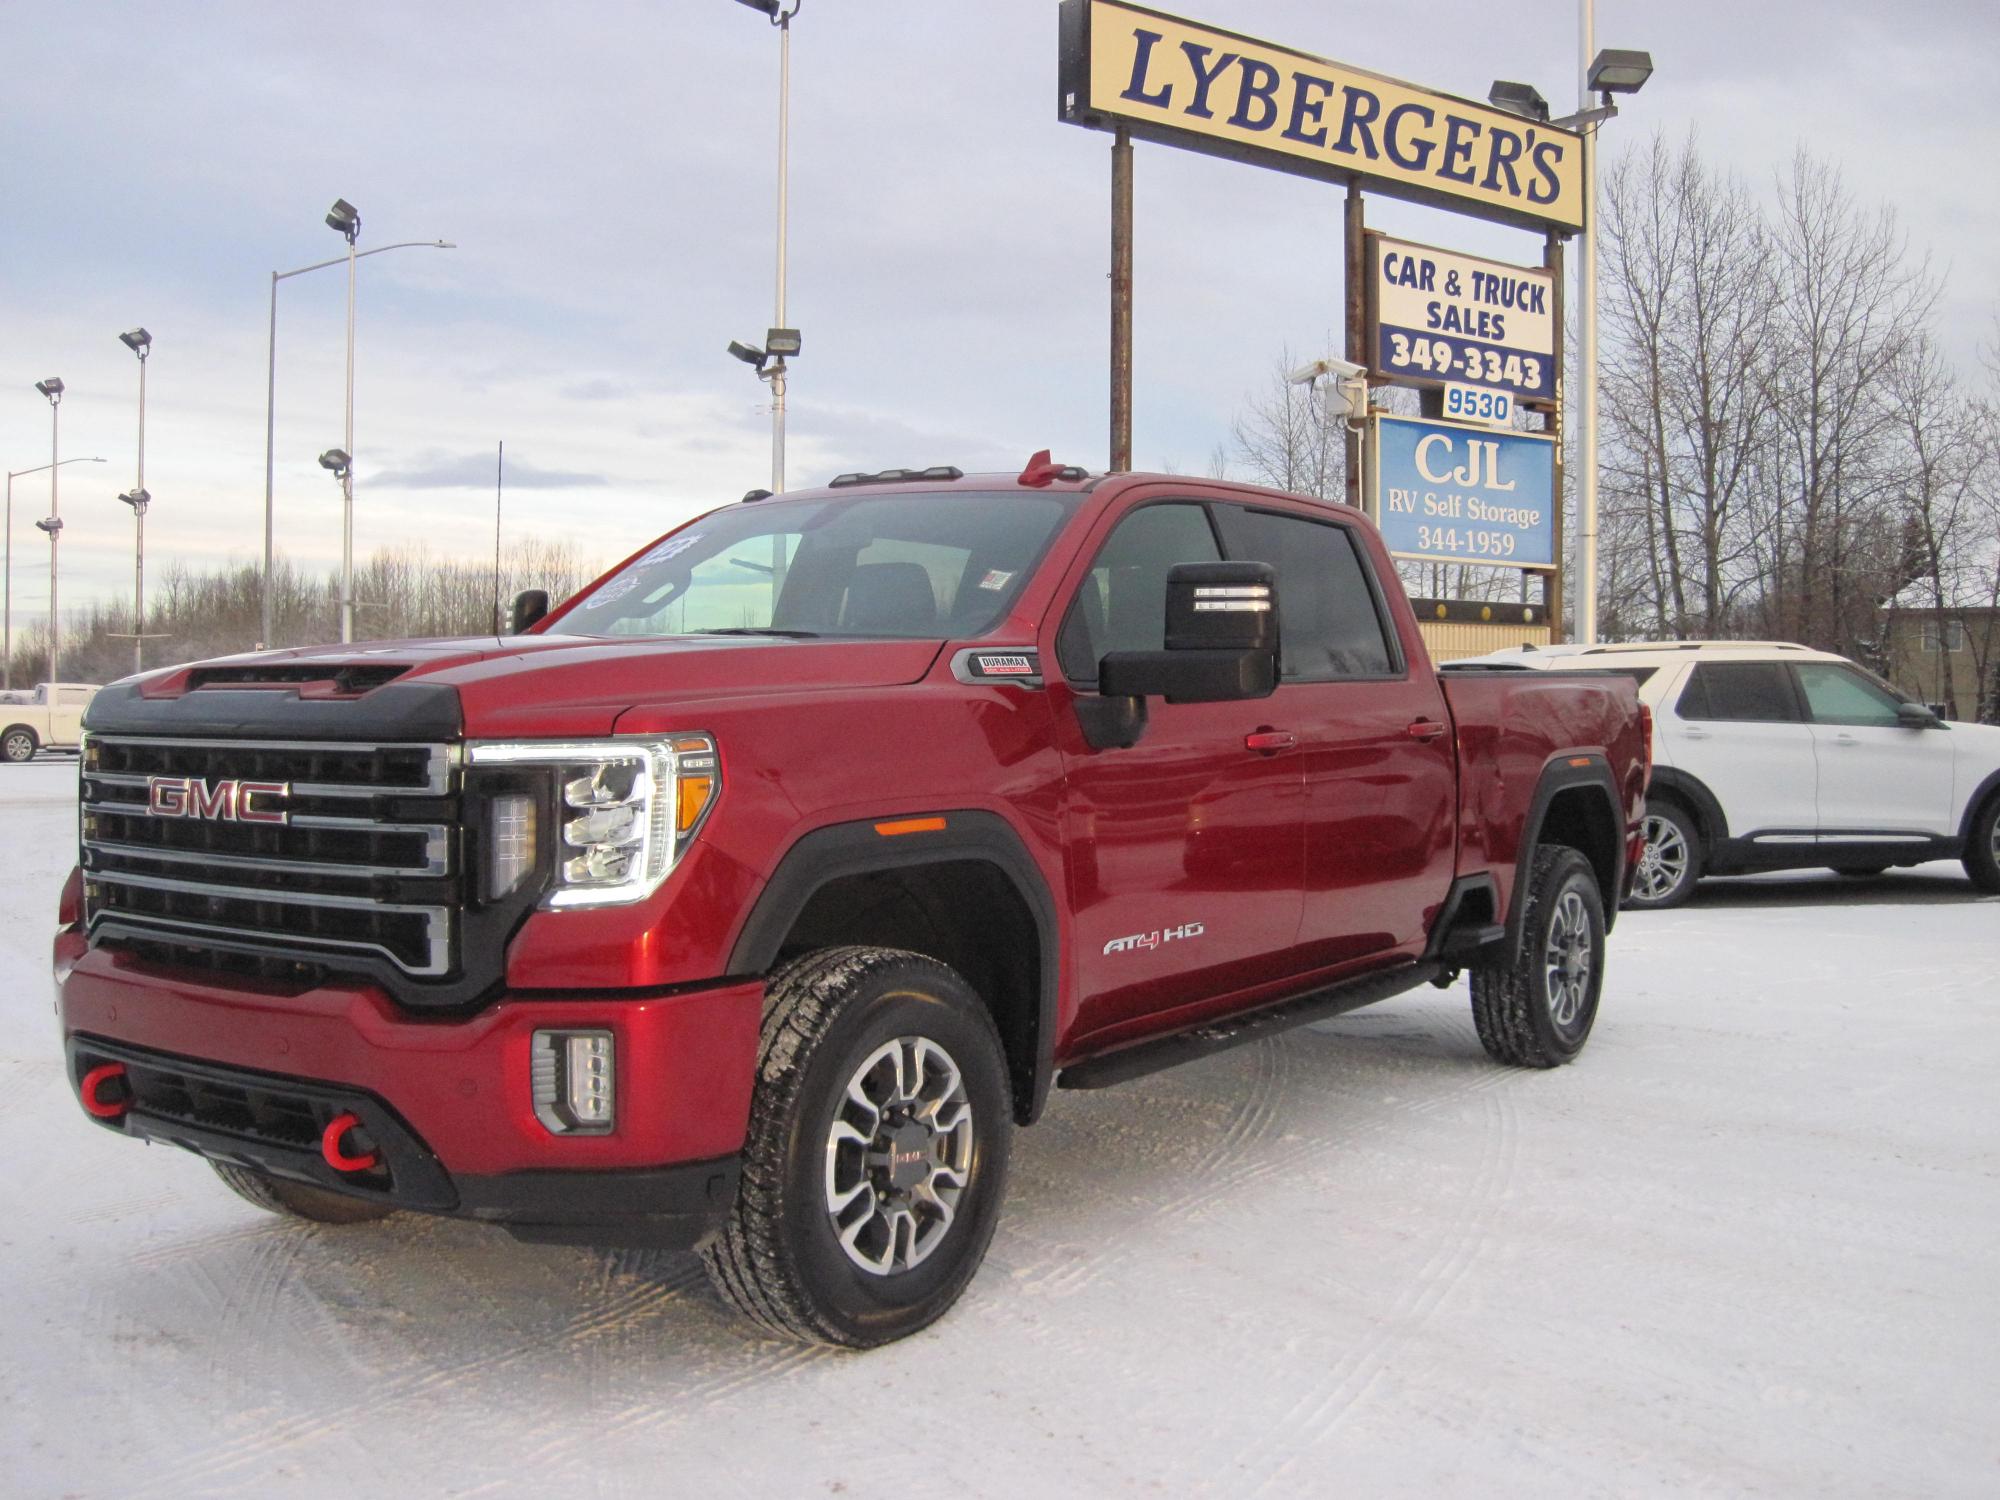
[{"x": 608, "y": 174}]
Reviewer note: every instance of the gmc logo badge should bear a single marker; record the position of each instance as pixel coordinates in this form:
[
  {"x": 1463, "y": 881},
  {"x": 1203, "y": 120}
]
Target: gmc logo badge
[{"x": 218, "y": 801}]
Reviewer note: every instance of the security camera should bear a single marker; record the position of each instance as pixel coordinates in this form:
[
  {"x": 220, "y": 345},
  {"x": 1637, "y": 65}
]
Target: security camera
[{"x": 1339, "y": 368}]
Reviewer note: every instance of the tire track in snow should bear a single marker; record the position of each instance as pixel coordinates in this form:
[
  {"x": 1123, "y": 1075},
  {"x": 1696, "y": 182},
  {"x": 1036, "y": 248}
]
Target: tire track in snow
[
  {"x": 219, "y": 1460},
  {"x": 1229, "y": 1172},
  {"x": 1468, "y": 1239}
]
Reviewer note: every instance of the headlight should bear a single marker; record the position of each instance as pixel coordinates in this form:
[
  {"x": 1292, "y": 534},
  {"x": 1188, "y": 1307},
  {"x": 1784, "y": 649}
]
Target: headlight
[{"x": 625, "y": 810}]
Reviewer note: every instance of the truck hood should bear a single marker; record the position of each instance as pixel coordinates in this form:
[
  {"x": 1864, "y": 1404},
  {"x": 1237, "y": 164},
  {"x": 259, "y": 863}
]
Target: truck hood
[{"x": 532, "y": 686}]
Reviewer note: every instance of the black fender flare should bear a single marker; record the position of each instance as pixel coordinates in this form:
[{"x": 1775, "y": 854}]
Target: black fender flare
[
  {"x": 1565, "y": 771},
  {"x": 1695, "y": 793},
  {"x": 838, "y": 850}
]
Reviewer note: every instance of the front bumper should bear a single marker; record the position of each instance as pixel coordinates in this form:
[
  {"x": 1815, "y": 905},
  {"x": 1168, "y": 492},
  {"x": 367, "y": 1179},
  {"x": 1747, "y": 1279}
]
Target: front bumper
[{"x": 246, "y": 1073}]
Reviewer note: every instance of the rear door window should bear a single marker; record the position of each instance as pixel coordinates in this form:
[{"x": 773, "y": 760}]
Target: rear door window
[{"x": 1740, "y": 691}]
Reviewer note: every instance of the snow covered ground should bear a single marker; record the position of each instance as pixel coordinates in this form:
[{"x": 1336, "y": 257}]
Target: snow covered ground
[{"x": 1745, "y": 1245}]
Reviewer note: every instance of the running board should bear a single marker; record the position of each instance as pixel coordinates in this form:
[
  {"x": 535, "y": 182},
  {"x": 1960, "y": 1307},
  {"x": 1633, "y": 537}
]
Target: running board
[{"x": 1159, "y": 1053}]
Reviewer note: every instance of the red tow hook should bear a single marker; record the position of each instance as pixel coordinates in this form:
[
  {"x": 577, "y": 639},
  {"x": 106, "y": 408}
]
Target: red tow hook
[
  {"x": 329, "y": 1146},
  {"x": 93, "y": 1097}
]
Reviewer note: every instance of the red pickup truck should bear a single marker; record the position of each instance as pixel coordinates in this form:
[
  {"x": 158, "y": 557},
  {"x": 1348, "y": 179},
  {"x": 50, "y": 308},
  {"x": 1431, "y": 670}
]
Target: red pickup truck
[{"x": 751, "y": 898}]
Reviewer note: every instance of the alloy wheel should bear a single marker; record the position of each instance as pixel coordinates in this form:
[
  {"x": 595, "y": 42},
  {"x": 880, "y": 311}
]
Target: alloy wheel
[
  {"x": 1664, "y": 863},
  {"x": 1568, "y": 960},
  {"x": 898, "y": 1155}
]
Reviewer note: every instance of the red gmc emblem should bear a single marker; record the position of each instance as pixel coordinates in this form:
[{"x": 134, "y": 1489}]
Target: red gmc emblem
[{"x": 220, "y": 801}]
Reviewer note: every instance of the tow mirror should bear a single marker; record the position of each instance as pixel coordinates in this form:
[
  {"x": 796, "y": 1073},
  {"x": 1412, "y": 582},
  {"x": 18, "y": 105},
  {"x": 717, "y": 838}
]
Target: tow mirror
[
  {"x": 1221, "y": 646},
  {"x": 1916, "y": 716},
  {"x": 529, "y": 607}
]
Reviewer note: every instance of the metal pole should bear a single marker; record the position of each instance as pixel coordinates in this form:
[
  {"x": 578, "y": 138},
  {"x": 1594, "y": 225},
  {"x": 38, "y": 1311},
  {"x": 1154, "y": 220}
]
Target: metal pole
[
  {"x": 1552, "y": 582},
  {"x": 784, "y": 161},
  {"x": 1121, "y": 300},
  {"x": 270, "y": 435},
  {"x": 139, "y": 546},
  {"x": 1354, "y": 227},
  {"x": 9, "y": 665},
  {"x": 347, "y": 478},
  {"x": 499, "y": 477},
  {"x": 1587, "y": 340},
  {"x": 55, "y": 541}
]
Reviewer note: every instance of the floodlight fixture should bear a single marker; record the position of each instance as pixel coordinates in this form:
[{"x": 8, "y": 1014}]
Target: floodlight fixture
[
  {"x": 138, "y": 499},
  {"x": 782, "y": 343},
  {"x": 1522, "y": 99},
  {"x": 335, "y": 461},
  {"x": 749, "y": 356},
  {"x": 1618, "y": 71},
  {"x": 52, "y": 388},
  {"x": 50, "y": 524},
  {"x": 137, "y": 340},
  {"x": 768, "y": 7},
  {"x": 344, "y": 218}
]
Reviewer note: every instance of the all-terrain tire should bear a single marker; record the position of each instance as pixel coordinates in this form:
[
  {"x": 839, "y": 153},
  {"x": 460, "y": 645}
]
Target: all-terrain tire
[
  {"x": 298, "y": 1200},
  {"x": 1672, "y": 862},
  {"x": 780, "y": 1259},
  {"x": 1536, "y": 1011},
  {"x": 1982, "y": 850},
  {"x": 17, "y": 746}
]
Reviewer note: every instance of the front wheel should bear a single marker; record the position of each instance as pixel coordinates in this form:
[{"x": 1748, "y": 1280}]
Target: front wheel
[
  {"x": 1671, "y": 862},
  {"x": 17, "y": 746},
  {"x": 1536, "y": 1011},
  {"x": 1982, "y": 851},
  {"x": 877, "y": 1151}
]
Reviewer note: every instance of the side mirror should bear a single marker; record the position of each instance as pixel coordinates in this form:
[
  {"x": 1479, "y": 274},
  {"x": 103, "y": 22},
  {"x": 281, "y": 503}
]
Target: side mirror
[
  {"x": 1916, "y": 716},
  {"x": 1221, "y": 639},
  {"x": 529, "y": 607}
]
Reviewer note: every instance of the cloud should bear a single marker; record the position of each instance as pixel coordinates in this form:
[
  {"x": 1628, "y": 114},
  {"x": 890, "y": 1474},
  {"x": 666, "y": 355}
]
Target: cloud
[
  {"x": 598, "y": 389},
  {"x": 475, "y": 471}
]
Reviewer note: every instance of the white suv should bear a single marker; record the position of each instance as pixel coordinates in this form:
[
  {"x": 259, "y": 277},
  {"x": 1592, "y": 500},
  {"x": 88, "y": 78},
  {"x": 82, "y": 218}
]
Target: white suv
[{"x": 1769, "y": 756}]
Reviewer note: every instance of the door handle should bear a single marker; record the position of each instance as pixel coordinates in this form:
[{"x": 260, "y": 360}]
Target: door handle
[
  {"x": 1425, "y": 729},
  {"x": 1846, "y": 739},
  {"x": 1694, "y": 734},
  {"x": 1270, "y": 741}
]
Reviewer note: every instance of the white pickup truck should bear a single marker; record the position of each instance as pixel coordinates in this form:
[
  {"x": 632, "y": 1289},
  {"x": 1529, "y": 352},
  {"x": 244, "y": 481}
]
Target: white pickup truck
[{"x": 50, "y": 718}]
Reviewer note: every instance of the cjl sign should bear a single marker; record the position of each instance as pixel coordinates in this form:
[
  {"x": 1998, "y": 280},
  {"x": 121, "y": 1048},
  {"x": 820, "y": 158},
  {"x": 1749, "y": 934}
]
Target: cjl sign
[{"x": 1446, "y": 493}]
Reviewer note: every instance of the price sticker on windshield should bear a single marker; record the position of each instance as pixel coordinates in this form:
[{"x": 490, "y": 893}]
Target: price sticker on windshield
[{"x": 1472, "y": 403}]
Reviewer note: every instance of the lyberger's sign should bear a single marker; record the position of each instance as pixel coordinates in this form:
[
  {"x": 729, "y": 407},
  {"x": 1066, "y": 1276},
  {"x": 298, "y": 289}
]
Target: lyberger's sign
[{"x": 1189, "y": 85}]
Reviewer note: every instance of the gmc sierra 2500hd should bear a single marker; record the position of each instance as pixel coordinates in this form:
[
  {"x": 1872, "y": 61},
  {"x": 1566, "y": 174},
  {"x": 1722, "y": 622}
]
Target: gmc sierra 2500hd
[{"x": 751, "y": 898}]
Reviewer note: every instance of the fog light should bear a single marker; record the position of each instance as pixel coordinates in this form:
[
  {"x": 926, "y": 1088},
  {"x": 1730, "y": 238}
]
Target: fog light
[{"x": 574, "y": 1081}]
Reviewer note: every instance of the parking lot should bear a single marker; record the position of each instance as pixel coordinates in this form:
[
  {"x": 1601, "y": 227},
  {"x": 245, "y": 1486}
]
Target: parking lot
[{"x": 1743, "y": 1246}]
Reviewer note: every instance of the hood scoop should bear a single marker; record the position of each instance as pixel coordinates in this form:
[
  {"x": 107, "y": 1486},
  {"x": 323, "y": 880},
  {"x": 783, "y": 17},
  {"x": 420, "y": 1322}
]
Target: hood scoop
[{"x": 308, "y": 679}]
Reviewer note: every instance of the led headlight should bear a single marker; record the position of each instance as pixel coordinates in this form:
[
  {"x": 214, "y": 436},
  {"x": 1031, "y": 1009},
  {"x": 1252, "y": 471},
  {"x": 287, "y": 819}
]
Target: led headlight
[{"x": 624, "y": 811}]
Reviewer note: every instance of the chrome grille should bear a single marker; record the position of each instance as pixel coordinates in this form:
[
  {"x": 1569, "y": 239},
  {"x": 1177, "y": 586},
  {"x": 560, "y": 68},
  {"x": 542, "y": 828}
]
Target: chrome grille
[{"x": 363, "y": 865}]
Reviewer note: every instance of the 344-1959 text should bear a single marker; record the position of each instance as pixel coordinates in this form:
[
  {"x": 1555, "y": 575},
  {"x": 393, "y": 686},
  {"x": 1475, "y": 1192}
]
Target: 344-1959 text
[{"x": 1466, "y": 542}]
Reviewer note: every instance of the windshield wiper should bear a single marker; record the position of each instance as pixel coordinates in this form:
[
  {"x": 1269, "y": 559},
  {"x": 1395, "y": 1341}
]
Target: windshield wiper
[{"x": 794, "y": 635}]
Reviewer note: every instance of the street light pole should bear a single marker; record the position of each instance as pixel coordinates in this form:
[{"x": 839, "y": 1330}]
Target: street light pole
[
  {"x": 345, "y": 220},
  {"x": 52, "y": 388},
  {"x": 140, "y": 343},
  {"x": 271, "y": 399},
  {"x": 1586, "y": 337},
  {"x": 784, "y": 22},
  {"x": 7, "y": 611}
]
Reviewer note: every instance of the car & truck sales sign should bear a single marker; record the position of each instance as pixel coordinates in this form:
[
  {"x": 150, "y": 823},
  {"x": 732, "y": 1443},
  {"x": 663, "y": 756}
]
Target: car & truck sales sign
[
  {"x": 1446, "y": 493},
  {"x": 1189, "y": 85},
  {"x": 1439, "y": 317}
]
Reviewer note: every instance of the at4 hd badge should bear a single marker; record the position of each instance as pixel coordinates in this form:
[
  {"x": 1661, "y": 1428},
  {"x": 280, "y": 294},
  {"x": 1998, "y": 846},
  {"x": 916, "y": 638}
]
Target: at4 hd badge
[{"x": 1142, "y": 941}]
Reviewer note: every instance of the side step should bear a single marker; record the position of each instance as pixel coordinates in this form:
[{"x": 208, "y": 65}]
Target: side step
[{"x": 1159, "y": 1053}]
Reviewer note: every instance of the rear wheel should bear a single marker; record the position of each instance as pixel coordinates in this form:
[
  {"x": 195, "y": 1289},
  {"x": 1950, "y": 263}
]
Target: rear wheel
[
  {"x": 1982, "y": 850},
  {"x": 877, "y": 1150},
  {"x": 17, "y": 745},
  {"x": 1671, "y": 862},
  {"x": 298, "y": 1200},
  {"x": 1536, "y": 1011}
]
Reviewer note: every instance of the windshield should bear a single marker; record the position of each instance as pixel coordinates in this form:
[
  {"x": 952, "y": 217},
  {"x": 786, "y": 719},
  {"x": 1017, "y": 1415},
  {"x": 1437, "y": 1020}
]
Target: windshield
[{"x": 911, "y": 566}]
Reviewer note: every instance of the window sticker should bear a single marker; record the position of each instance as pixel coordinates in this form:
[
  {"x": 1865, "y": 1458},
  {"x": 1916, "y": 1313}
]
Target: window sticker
[
  {"x": 617, "y": 589},
  {"x": 672, "y": 547},
  {"x": 995, "y": 580}
]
